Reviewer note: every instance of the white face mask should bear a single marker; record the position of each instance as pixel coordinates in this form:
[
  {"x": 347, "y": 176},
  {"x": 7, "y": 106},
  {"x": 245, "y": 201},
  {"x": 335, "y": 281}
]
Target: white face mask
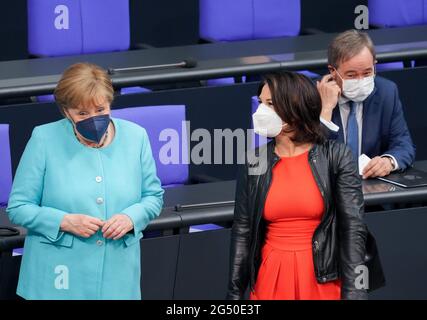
[
  {"x": 357, "y": 89},
  {"x": 267, "y": 122}
]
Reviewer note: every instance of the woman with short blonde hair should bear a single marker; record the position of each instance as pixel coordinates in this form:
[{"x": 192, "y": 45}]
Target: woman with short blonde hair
[{"x": 85, "y": 189}]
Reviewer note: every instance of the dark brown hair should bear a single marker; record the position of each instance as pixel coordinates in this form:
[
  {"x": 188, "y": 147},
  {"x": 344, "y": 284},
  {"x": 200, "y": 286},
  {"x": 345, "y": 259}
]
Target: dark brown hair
[{"x": 297, "y": 102}]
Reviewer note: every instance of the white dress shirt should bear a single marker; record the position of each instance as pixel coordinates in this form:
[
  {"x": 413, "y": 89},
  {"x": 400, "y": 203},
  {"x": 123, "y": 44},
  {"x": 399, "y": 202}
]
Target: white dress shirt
[{"x": 344, "y": 105}]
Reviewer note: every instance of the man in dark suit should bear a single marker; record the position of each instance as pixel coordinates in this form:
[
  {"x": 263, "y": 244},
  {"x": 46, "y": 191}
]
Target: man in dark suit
[{"x": 364, "y": 110}]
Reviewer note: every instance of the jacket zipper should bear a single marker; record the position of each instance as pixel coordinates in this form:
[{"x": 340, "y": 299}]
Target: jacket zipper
[
  {"x": 259, "y": 216},
  {"x": 322, "y": 191}
]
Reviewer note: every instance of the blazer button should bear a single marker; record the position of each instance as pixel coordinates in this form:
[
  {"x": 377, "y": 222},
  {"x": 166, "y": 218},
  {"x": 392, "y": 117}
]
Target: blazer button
[
  {"x": 99, "y": 200},
  {"x": 98, "y": 179},
  {"x": 99, "y": 242}
]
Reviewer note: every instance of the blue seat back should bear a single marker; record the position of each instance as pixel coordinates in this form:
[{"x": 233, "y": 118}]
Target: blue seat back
[
  {"x": 5, "y": 165},
  {"x": 225, "y": 20},
  {"x": 69, "y": 27},
  {"x": 165, "y": 126},
  {"x": 397, "y": 13}
]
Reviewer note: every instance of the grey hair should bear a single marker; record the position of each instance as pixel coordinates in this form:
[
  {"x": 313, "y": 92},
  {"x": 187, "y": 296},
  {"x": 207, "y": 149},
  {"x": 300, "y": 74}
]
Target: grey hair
[{"x": 348, "y": 44}]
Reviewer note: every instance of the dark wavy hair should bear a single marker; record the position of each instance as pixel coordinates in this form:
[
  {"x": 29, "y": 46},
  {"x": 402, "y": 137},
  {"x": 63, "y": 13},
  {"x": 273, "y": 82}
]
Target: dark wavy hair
[{"x": 296, "y": 100}]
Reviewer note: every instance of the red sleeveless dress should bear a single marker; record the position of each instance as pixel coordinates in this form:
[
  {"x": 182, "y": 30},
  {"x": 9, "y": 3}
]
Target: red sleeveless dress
[{"x": 293, "y": 209}]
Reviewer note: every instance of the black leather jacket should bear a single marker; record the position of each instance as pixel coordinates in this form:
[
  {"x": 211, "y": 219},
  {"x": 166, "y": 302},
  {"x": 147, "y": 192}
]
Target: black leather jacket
[{"x": 338, "y": 241}]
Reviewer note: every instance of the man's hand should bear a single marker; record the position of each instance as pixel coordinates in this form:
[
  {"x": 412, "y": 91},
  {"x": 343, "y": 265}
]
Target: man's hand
[
  {"x": 117, "y": 226},
  {"x": 378, "y": 167},
  {"x": 329, "y": 91},
  {"x": 81, "y": 225}
]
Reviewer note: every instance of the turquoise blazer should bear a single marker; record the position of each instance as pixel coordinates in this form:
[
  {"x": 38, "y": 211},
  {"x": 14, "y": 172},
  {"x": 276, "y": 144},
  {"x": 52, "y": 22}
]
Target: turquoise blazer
[{"x": 58, "y": 175}]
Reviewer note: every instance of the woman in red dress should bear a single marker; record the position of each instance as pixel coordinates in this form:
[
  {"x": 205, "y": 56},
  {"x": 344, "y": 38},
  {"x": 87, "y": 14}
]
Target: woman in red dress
[
  {"x": 292, "y": 212},
  {"x": 297, "y": 232}
]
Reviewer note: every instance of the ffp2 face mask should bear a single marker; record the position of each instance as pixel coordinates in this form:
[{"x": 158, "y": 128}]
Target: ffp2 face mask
[
  {"x": 267, "y": 122},
  {"x": 93, "y": 128}
]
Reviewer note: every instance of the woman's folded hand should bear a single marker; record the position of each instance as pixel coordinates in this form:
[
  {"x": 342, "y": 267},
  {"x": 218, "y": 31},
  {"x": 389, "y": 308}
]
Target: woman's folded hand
[
  {"x": 81, "y": 225},
  {"x": 117, "y": 226}
]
